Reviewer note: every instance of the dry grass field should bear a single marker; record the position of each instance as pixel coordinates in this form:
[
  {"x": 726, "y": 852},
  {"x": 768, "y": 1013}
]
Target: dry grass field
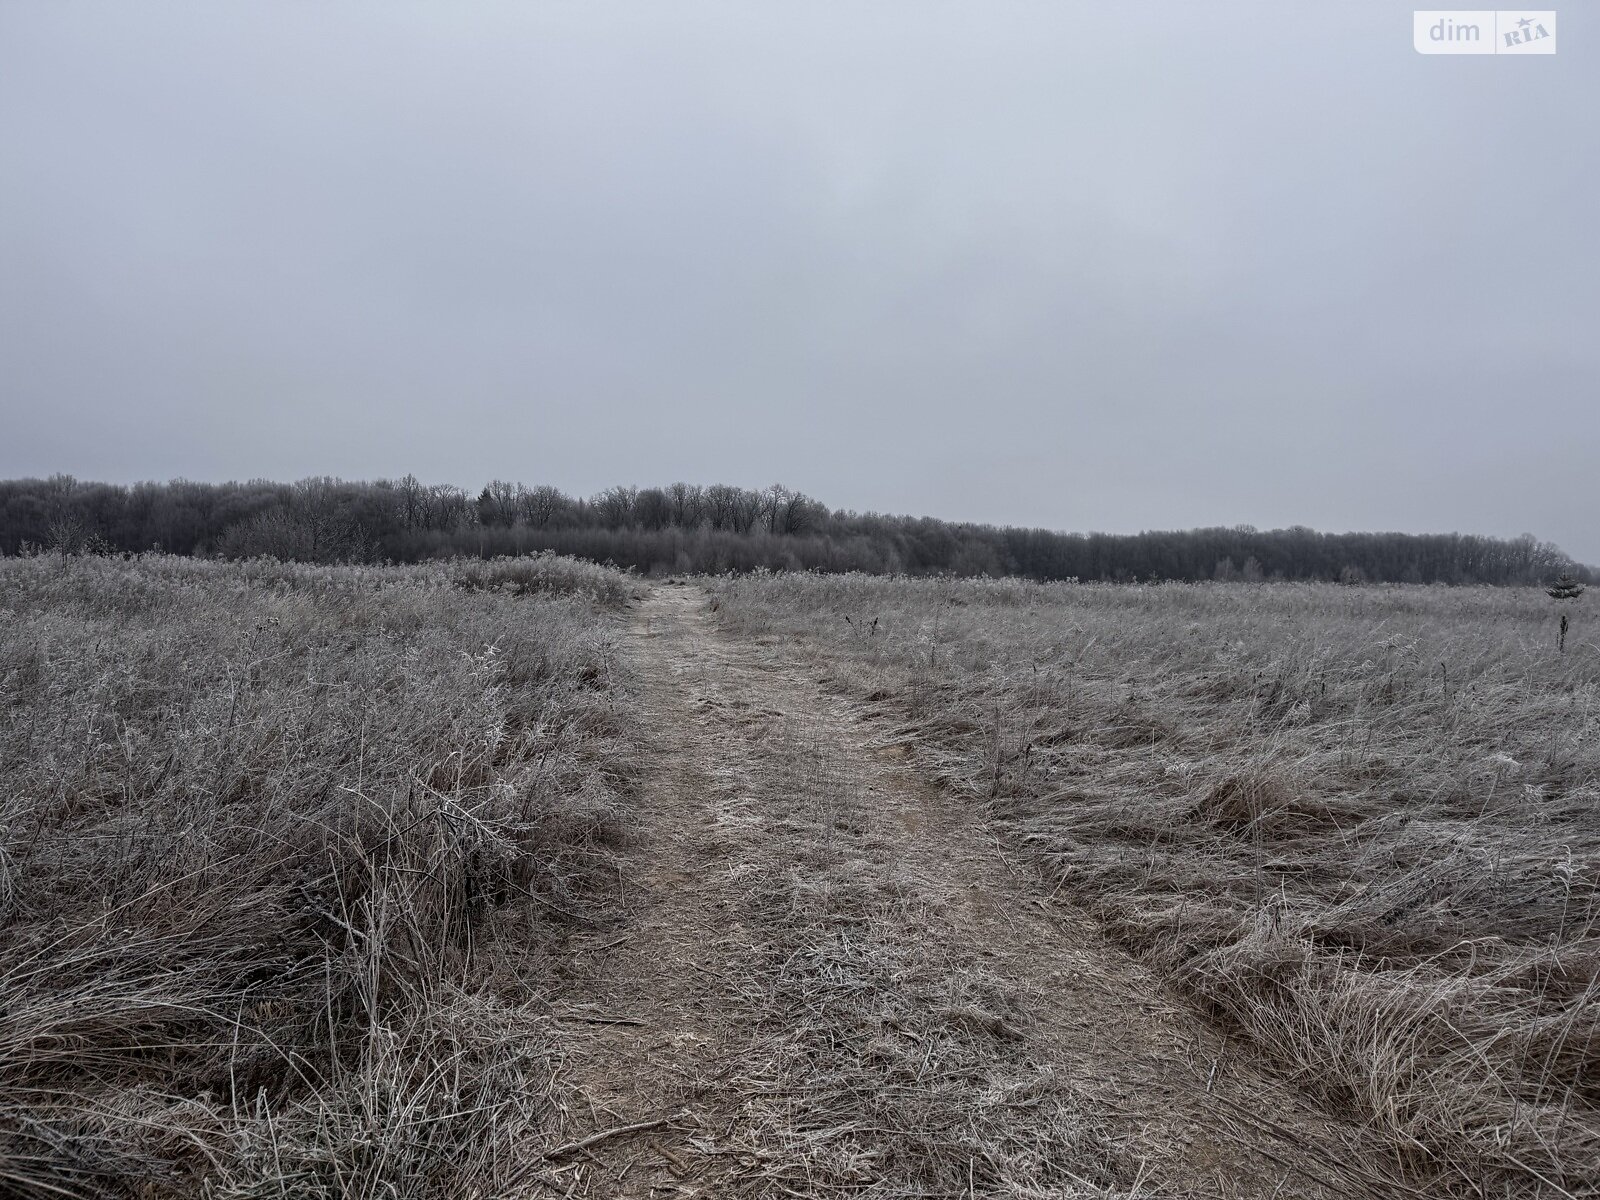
[
  {"x": 1359, "y": 825},
  {"x": 526, "y": 878},
  {"x": 283, "y": 850}
]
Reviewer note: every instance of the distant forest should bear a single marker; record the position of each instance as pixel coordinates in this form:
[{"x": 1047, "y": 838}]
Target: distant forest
[{"x": 685, "y": 528}]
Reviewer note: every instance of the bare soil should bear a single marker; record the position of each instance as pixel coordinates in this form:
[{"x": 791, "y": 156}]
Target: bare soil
[{"x": 1075, "y": 1072}]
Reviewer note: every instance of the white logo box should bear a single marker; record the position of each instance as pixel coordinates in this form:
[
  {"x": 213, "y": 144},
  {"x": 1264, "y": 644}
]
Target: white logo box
[{"x": 1483, "y": 31}]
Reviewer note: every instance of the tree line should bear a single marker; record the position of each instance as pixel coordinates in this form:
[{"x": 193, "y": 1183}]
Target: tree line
[{"x": 689, "y": 528}]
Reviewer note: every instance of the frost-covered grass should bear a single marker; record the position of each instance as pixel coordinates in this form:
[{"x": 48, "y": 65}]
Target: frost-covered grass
[
  {"x": 1362, "y": 824},
  {"x": 269, "y": 837}
]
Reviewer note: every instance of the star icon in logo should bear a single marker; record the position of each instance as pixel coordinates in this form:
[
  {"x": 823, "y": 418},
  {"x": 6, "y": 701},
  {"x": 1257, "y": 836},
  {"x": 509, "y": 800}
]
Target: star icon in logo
[{"x": 1524, "y": 23}]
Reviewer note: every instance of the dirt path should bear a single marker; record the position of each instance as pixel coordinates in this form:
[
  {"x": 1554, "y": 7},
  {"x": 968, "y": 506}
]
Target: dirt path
[{"x": 833, "y": 980}]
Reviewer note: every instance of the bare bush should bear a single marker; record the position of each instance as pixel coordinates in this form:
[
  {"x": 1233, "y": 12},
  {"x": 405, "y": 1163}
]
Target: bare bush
[
  {"x": 543, "y": 574},
  {"x": 296, "y": 535}
]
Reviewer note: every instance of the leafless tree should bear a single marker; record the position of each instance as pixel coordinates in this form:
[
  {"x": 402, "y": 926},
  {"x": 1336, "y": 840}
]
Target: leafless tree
[
  {"x": 615, "y": 506},
  {"x": 497, "y": 503},
  {"x": 542, "y": 505},
  {"x": 652, "y": 509},
  {"x": 688, "y": 504},
  {"x": 413, "y": 502},
  {"x": 746, "y": 510},
  {"x": 722, "y": 506}
]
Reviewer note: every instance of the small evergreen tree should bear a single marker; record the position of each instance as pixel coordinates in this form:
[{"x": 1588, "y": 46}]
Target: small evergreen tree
[{"x": 1564, "y": 588}]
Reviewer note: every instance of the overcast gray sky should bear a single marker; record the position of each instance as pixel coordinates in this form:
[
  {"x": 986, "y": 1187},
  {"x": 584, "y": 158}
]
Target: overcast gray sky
[{"x": 1113, "y": 266}]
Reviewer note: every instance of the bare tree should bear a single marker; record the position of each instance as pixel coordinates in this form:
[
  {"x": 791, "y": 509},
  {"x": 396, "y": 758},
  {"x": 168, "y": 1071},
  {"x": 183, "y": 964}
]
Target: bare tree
[
  {"x": 497, "y": 503},
  {"x": 774, "y": 503},
  {"x": 722, "y": 506},
  {"x": 652, "y": 509},
  {"x": 615, "y": 506},
  {"x": 747, "y": 508},
  {"x": 541, "y": 506},
  {"x": 413, "y": 502},
  {"x": 800, "y": 514},
  {"x": 688, "y": 504},
  {"x": 447, "y": 507}
]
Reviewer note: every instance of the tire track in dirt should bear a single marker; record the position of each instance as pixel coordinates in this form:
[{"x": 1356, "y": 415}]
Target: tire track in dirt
[{"x": 778, "y": 834}]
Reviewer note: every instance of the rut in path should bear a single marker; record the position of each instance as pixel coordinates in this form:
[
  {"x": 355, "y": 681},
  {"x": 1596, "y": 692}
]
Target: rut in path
[{"x": 831, "y": 979}]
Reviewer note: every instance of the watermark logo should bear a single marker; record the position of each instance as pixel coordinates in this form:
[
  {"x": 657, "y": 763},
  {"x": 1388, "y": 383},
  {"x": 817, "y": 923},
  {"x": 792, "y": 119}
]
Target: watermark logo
[{"x": 1483, "y": 31}]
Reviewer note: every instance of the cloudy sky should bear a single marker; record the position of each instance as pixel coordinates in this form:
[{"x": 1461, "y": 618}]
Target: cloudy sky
[{"x": 1115, "y": 267}]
